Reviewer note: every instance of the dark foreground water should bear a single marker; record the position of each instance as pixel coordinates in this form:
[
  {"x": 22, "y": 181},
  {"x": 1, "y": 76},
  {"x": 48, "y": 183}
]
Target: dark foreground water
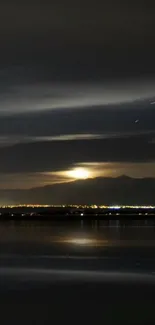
[{"x": 77, "y": 273}]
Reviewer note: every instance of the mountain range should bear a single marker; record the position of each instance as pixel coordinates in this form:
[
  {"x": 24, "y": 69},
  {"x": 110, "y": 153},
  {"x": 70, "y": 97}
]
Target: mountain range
[{"x": 120, "y": 190}]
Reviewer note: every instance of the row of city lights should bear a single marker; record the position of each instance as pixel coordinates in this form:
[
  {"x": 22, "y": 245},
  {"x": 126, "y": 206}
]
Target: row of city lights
[{"x": 115, "y": 207}]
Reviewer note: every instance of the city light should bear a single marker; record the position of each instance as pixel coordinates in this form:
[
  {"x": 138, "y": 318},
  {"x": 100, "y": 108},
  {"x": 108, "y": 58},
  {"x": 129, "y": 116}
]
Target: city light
[
  {"x": 77, "y": 206},
  {"x": 116, "y": 207}
]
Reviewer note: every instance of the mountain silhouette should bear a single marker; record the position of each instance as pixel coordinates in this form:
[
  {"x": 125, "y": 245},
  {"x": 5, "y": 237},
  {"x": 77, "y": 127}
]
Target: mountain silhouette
[{"x": 120, "y": 190}]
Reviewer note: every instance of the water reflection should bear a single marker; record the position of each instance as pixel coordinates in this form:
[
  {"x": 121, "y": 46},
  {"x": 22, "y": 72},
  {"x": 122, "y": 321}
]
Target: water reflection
[
  {"x": 51, "y": 236},
  {"x": 86, "y": 241}
]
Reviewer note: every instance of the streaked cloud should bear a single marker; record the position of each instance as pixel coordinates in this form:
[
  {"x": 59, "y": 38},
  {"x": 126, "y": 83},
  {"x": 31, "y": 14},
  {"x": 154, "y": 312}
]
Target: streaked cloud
[
  {"x": 40, "y": 96},
  {"x": 19, "y": 139},
  {"x": 11, "y": 140},
  {"x": 116, "y": 169},
  {"x": 96, "y": 169},
  {"x": 28, "y": 180}
]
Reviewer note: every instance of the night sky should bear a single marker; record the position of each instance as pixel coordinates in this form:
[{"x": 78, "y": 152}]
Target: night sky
[{"x": 77, "y": 90}]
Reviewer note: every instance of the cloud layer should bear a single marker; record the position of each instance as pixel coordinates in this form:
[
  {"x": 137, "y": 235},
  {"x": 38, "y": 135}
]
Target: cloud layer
[
  {"x": 74, "y": 78},
  {"x": 16, "y": 97},
  {"x": 36, "y": 147}
]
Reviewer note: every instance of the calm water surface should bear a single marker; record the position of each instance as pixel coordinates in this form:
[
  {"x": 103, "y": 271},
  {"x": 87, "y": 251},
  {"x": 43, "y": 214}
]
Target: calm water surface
[{"x": 48, "y": 238}]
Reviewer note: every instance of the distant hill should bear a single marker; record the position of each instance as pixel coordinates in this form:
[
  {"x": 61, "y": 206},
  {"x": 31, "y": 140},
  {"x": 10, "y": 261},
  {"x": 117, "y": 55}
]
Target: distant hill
[{"x": 121, "y": 190}]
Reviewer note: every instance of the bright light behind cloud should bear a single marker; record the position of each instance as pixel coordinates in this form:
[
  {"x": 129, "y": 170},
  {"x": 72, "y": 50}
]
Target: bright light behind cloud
[{"x": 79, "y": 173}]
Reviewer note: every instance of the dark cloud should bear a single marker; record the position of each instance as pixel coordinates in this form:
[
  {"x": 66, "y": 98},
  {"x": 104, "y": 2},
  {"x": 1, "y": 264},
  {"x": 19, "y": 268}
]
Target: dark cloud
[
  {"x": 61, "y": 155},
  {"x": 90, "y": 120}
]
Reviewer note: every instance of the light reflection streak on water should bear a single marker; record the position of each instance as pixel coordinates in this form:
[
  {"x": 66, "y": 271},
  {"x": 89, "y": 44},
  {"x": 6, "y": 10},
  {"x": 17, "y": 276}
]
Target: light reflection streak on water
[
  {"x": 86, "y": 242},
  {"x": 75, "y": 236},
  {"x": 105, "y": 243}
]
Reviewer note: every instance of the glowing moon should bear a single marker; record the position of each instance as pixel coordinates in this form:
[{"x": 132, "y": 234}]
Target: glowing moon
[{"x": 79, "y": 173}]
